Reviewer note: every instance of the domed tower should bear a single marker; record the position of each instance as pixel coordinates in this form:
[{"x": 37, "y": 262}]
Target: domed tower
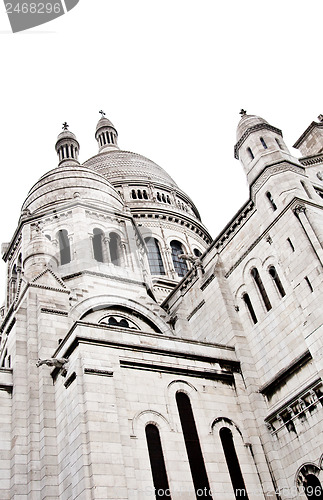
[
  {"x": 259, "y": 145},
  {"x": 67, "y": 147},
  {"x": 168, "y": 219},
  {"x": 106, "y": 134}
]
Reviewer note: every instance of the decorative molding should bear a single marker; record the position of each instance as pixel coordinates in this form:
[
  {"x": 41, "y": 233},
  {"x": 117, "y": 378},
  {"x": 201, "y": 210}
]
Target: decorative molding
[
  {"x": 207, "y": 282},
  {"x": 270, "y": 387},
  {"x": 70, "y": 380},
  {"x": 270, "y": 170},
  {"x": 163, "y": 368},
  {"x": 197, "y": 308},
  {"x": 95, "y": 371},
  {"x": 299, "y": 209},
  {"x": 311, "y": 160},
  {"x": 101, "y": 275},
  {"x": 306, "y": 132},
  {"x": 234, "y": 224},
  {"x": 250, "y": 130},
  {"x": 53, "y": 311}
]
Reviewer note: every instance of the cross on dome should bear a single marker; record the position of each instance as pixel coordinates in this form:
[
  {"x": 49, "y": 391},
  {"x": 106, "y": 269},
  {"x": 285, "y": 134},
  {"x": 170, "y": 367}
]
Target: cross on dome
[
  {"x": 243, "y": 112},
  {"x": 102, "y": 113},
  {"x": 65, "y": 126}
]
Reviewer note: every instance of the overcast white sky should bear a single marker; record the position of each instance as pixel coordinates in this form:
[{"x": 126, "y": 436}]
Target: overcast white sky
[{"x": 171, "y": 75}]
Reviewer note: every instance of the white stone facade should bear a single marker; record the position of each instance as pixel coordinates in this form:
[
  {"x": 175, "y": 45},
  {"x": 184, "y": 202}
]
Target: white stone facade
[{"x": 240, "y": 334}]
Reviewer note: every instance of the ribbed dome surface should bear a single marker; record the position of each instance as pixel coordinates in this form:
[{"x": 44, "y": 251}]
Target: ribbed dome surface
[
  {"x": 246, "y": 122},
  {"x": 104, "y": 122},
  {"x": 66, "y": 134},
  {"x": 123, "y": 165},
  {"x": 67, "y": 183}
]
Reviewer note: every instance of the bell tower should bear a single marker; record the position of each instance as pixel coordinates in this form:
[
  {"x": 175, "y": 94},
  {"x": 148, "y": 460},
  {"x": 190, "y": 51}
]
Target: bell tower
[{"x": 259, "y": 145}]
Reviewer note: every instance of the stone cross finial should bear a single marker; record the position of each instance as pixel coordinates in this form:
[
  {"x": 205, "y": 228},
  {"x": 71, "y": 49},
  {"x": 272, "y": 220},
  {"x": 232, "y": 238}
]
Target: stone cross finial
[
  {"x": 102, "y": 113},
  {"x": 243, "y": 112},
  {"x": 320, "y": 117},
  {"x": 65, "y": 126}
]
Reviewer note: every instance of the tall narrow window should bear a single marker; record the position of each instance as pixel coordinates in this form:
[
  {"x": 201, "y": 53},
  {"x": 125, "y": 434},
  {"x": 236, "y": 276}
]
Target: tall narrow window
[
  {"x": 64, "y": 247},
  {"x": 256, "y": 276},
  {"x": 98, "y": 244},
  {"x": 154, "y": 256},
  {"x": 133, "y": 194},
  {"x": 247, "y": 301},
  {"x": 157, "y": 462},
  {"x": 250, "y": 153},
  {"x": 291, "y": 244},
  {"x": 233, "y": 463},
  {"x": 180, "y": 265},
  {"x": 114, "y": 246},
  {"x": 309, "y": 284},
  {"x": 263, "y": 142},
  {"x": 271, "y": 201},
  {"x": 273, "y": 273},
  {"x": 193, "y": 447},
  {"x": 313, "y": 487}
]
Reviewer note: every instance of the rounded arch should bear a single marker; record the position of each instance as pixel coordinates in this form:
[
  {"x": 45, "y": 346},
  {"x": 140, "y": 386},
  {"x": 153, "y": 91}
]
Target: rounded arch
[
  {"x": 246, "y": 272},
  {"x": 180, "y": 265},
  {"x": 220, "y": 422},
  {"x": 145, "y": 417},
  {"x": 309, "y": 468},
  {"x": 79, "y": 311}
]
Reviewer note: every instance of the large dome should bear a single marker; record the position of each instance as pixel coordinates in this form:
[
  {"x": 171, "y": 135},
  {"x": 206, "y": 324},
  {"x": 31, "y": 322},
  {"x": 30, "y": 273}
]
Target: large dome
[
  {"x": 66, "y": 183},
  {"x": 123, "y": 165}
]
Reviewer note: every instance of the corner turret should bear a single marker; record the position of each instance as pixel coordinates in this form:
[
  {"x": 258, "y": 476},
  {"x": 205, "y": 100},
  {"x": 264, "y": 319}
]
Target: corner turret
[{"x": 259, "y": 145}]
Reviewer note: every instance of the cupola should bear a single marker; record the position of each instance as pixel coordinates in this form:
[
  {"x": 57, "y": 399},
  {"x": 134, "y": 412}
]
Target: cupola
[
  {"x": 106, "y": 134},
  {"x": 67, "y": 147},
  {"x": 259, "y": 145}
]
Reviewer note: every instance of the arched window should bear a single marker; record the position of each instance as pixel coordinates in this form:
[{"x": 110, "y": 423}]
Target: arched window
[
  {"x": 139, "y": 194},
  {"x": 157, "y": 462},
  {"x": 180, "y": 265},
  {"x": 98, "y": 244},
  {"x": 193, "y": 447},
  {"x": 233, "y": 463},
  {"x": 64, "y": 247},
  {"x": 197, "y": 252},
  {"x": 250, "y": 153},
  {"x": 263, "y": 142},
  {"x": 273, "y": 273},
  {"x": 158, "y": 197},
  {"x": 115, "y": 249},
  {"x": 154, "y": 256},
  {"x": 271, "y": 201},
  {"x": 247, "y": 301},
  {"x": 145, "y": 195},
  {"x": 256, "y": 276},
  {"x": 313, "y": 487},
  {"x": 133, "y": 194}
]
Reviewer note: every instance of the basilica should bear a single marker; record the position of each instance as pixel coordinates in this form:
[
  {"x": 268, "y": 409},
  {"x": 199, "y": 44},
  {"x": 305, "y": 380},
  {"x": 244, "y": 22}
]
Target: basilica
[{"x": 141, "y": 359}]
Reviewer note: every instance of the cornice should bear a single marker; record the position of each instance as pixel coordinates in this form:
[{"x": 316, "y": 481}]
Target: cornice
[
  {"x": 307, "y": 131},
  {"x": 250, "y": 130},
  {"x": 273, "y": 169},
  {"x": 311, "y": 160}
]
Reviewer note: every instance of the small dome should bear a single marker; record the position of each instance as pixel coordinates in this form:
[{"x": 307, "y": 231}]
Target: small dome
[
  {"x": 63, "y": 184},
  {"x": 104, "y": 122},
  {"x": 121, "y": 165},
  {"x": 247, "y": 122},
  {"x": 66, "y": 134}
]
